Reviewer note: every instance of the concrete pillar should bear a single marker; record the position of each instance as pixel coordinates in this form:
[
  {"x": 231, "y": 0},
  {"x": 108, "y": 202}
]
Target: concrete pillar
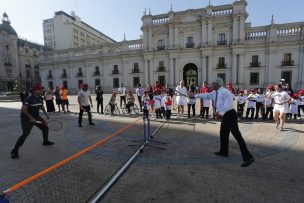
[
  {"x": 171, "y": 36},
  {"x": 233, "y": 69},
  {"x": 204, "y": 33},
  {"x": 171, "y": 71},
  {"x": 235, "y": 33},
  {"x": 241, "y": 70},
  {"x": 150, "y": 44},
  {"x": 210, "y": 33},
  {"x": 210, "y": 72},
  {"x": 204, "y": 68},
  {"x": 176, "y": 37},
  {"x": 242, "y": 29}
]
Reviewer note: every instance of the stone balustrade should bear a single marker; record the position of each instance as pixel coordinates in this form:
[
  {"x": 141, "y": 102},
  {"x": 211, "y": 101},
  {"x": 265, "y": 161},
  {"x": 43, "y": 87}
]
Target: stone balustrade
[
  {"x": 162, "y": 20},
  {"x": 290, "y": 30},
  {"x": 256, "y": 33},
  {"x": 220, "y": 11}
]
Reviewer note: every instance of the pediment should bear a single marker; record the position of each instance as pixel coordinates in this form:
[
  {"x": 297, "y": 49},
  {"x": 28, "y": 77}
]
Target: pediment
[
  {"x": 189, "y": 29},
  {"x": 190, "y": 16},
  {"x": 160, "y": 32}
]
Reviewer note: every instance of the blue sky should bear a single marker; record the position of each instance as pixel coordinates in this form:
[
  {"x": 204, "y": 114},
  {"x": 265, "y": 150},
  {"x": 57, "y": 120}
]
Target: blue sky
[{"x": 116, "y": 17}]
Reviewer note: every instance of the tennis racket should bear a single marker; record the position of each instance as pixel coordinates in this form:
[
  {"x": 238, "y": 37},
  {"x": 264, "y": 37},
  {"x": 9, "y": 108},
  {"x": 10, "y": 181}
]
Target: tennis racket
[{"x": 53, "y": 125}]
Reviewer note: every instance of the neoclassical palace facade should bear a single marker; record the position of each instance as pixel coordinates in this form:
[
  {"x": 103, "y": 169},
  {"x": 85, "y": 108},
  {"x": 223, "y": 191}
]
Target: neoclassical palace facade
[{"x": 198, "y": 44}]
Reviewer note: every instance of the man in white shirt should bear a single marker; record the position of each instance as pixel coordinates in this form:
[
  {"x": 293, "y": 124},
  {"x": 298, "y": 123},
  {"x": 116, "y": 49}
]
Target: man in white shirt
[
  {"x": 139, "y": 93},
  {"x": 84, "y": 96},
  {"x": 223, "y": 108},
  {"x": 122, "y": 91},
  {"x": 241, "y": 101},
  {"x": 181, "y": 100}
]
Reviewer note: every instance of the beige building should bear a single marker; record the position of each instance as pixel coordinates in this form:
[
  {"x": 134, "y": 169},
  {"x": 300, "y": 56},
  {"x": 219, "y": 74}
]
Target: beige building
[
  {"x": 65, "y": 31},
  {"x": 199, "y": 44},
  {"x": 19, "y": 58}
]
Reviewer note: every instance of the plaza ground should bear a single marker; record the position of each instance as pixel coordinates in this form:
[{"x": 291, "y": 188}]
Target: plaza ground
[{"x": 187, "y": 171}]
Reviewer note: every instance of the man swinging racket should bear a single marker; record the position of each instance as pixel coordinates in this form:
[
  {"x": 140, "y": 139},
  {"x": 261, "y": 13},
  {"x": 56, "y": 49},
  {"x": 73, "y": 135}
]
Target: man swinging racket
[{"x": 30, "y": 117}]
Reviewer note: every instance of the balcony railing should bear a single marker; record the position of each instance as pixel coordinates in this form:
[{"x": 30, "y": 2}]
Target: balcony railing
[
  {"x": 161, "y": 69},
  {"x": 255, "y": 64},
  {"x": 64, "y": 75},
  {"x": 7, "y": 64},
  {"x": 288, "y": 63},
  {"x": 79, "y": 74},
  {"x": 115, "y": 71},
  {"x": 161, "y": 47},
  {"x": 96, "y": 73},
  {"x": 222, "y": 42},
  {"x": 135, "y": 70},
  {"x": 49, "y": 76},
  {"x": 221, "y": 66},
  {"x": 189, "y": 45}
]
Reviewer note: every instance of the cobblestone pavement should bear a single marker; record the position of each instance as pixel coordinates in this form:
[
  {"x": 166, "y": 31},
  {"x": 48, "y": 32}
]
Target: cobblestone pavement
[{"x": 187, "y": 171}]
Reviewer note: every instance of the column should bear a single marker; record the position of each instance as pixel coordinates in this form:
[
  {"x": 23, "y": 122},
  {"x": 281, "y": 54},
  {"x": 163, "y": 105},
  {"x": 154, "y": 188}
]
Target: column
[
  {"x": 171, "y": 71},
  {"x": 233, "y": 69},
  {"x": 241, "y": 69},
  {"x": 210, "y": 65},
  {"x": 176, "y": 37},
  {"x": 150, "y": 44},
  {"x": 145, "y": 45},
  {"x": 146, "y": 72},
  {"x": 204, "y": 33},
  {"x": 235, "y": 36},
  {"x": 204, "y": 68},
  {"x": 151, "y": 69},
  {"x": 242, "y": 29},
  {"x": 171, "y": 36},
  {"x": 210, "y": 33}
]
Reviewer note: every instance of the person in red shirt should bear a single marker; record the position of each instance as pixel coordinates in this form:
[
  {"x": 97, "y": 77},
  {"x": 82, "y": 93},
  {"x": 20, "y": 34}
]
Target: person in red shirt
[
  {"x": 204, "y": 89},
  {"x": 157, "y": 87}
]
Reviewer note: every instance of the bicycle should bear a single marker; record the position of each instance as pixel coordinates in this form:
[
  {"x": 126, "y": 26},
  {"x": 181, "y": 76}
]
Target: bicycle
[
  {"x": 107, "y": 110},
  {"x": 133, "y": 110}
]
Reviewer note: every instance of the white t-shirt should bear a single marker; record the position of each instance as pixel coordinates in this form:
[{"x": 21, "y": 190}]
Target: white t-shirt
[
  {"x": 157, "y": 101},
  {"x": 260, "y": 98},
  {"x": 293, "y": 107},
  {"x": 252, "y": 101},
  {"x": 279, "y": 98},
  {"x": 181, "y": 100},
  {"x": 122, "y": 91},
  {"x": 268, "y": 100},
  {"x": 84, "y": 97},
  {"x": 241, "y": 99}
]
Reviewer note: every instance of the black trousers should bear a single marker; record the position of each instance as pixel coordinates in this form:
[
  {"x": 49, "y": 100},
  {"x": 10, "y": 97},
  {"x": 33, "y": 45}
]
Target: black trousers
[
  {"x": 158, "y": 113},
  {"x": 168, "y": 114},
  {"x": 193, "y": 109},
  {"x": 205, "y": 111},
  {"x": 139, "y": 101},
  {"x": 230, "y": 124},
  {"x": 122, "y": 98},
  {"x": 268, "y": 111},
  {"x": 27, "y": 128},
  {"x": 100, "y": 104},
  {"x": 252, "y": 112},
  {"x": 259, "y": 106},
  {"x": 299, "y": 110},
  {"x": 88, "y": 110},
  {"x": 241, "y": 110}
]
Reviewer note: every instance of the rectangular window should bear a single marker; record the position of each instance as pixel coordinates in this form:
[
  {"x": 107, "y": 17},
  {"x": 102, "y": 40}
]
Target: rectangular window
[
  {"x": 221, "y": 60},
  {"x": 51, "y": 84},
  {"x": 223, "y": 76},
  {"x": 287, "y": 57},
  {"x": 189, "y": 42},
  {"x": 97, "y": 82},
  {"x": 160, "y": 44},
  {"x": 65, "y": 84},
  {"x": 287, "y": 75},
  {"x": 254, "y": 78},
  {"x": 222, "y": 39},
  {"x": 135, "y": 68},
  {"x": 80, "y": 82},
  {"x": 161, "y": 64},
  {"x": 162, "y": 80},
  {"x": 135, "y": 81},
  {"x": 115, "y": 82},
  {"x": 255, "y": 59}
]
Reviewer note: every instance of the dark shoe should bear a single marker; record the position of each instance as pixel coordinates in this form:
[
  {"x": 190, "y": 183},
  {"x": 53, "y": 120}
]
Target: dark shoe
[
  {"x": 79, "y": 125},
  {"x": 91, "y": 123},
  {"x": 46, "y": 143},
  {"x": 220, "y": 154},
  {"x": 14, "y": 154},
  {"x": 248, "y": 162}
]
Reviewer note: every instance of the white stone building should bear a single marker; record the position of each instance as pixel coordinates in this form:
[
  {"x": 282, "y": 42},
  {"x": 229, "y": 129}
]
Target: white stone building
[
  {"x": 19, "y": 59},
  {"x": 198, "y": 44},
  {"x": 65, "y": 31}
]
